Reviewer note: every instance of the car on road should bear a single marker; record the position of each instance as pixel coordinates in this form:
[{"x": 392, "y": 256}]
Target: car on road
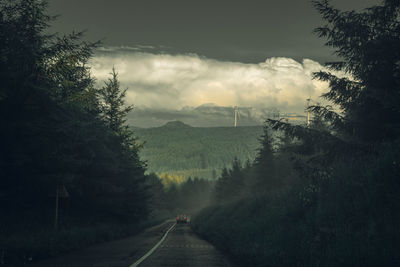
[{"x": 181, "y": 219}]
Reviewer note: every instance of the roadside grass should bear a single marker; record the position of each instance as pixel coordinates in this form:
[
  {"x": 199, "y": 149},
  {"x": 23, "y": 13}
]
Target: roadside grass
[
  {"x": 22, "y": 248},
  {"x": 267, "y": 232},
  {"x": 254, "y": 232}
]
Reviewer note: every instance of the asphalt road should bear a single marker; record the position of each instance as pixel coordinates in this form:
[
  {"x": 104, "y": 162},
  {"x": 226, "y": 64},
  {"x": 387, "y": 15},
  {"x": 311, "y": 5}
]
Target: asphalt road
[{"x": 181, "y": 247}]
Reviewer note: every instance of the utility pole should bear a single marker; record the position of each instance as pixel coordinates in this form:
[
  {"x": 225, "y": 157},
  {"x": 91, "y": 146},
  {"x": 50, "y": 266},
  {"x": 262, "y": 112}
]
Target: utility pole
[
  {"x": 61, "y": 192},
  {"x": 236, "y": 109},
  {"x": 56, "y": 215},
  {"x": 308, "y": 112}
]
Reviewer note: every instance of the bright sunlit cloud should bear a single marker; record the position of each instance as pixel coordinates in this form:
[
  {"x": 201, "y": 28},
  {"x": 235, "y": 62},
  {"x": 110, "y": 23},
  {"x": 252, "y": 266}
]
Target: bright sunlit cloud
[{"x": 175, "y": 81}]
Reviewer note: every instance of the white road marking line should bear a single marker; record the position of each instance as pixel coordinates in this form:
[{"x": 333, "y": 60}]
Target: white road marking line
[{"x": 151, "y": 251}]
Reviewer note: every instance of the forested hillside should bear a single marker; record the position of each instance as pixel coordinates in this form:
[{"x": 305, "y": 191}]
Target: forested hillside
[{"x": 180, "y": 149}]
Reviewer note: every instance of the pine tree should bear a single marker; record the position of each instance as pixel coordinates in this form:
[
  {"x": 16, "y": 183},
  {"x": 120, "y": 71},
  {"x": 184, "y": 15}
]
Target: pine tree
[
  {"x": 368, "y": 44},
  {"x": 345, "y": 158},
  {"x": 112, "y": 98},
  {"x": 221, "y": 186},
  {"x": 237, "y": 180},
  {"x": 51, "y": 128},
  {"x": 230, "y": 186},
  {"x": 264, "y": 165}
]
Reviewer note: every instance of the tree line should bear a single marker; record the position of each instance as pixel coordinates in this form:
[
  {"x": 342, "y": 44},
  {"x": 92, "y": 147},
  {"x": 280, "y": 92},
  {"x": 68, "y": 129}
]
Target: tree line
[
  {"x": 64, "y": 141},
  {"x": 70, "y": 171},
  {"x": 325, "y": 194}
]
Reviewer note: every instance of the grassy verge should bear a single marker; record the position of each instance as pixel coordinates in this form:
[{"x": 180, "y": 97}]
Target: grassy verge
[
  {"x": 254, "y": 232},
  {"x": 259, "y": 232},
  {"x": 21, "y": 248}
]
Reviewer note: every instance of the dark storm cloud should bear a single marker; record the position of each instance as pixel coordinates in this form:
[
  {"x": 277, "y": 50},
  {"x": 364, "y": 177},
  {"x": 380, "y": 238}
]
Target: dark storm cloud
[
  {"x": 244, "y": 31},
  {"x": 107, "y": 50}
]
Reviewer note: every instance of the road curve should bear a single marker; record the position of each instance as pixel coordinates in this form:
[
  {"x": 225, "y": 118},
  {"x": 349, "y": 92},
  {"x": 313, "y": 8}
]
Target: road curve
[{"x": 181, "y": 247}]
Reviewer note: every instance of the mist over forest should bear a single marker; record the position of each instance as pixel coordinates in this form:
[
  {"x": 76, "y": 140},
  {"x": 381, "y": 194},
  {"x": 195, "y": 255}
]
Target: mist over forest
[{"x": 168, "y": 159}]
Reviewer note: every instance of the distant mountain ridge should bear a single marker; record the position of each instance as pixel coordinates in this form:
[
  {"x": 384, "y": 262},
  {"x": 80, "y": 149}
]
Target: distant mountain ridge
[
  {"x": 209, "y": 115},
  {"x": 175, "y": 124},
  {"x": 179, "y": 148}
]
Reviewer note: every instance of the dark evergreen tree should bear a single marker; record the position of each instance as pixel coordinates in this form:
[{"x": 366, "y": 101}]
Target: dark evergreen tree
[
  {"x": 221, "y": 186},
  {"x": 339, "y": 204},
  {"x": 53, "y": 129},
  {"x": 368, "y": 44},
  {"x": 264, "y": 165},
  {"x": 230, "y": 185},
  {"x": 113, "y": 106},
  {"x": 237, "y": 180},
  {"x": 339, "y": 155}
]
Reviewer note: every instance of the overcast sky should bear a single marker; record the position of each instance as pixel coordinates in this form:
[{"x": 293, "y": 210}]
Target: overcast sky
[
  {"x": 234, "y": 30},
  {"x": 177, "y": 53}
]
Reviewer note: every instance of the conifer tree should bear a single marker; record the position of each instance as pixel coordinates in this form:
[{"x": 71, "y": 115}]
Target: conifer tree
[
  {"x": 53, "y": 132},
  {"x": 112, "y": 98},
  {"x": 367, "y": 44},
  {"x": 264, "y": 165}
]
